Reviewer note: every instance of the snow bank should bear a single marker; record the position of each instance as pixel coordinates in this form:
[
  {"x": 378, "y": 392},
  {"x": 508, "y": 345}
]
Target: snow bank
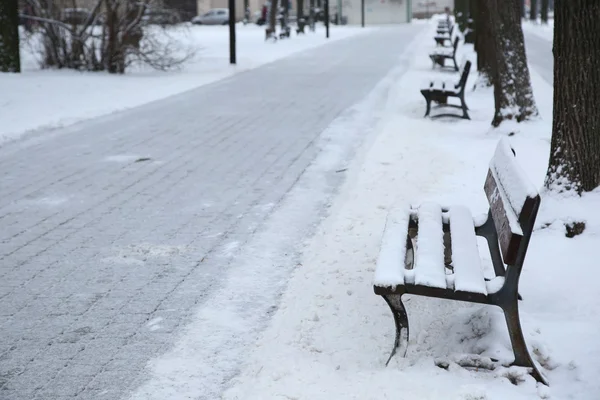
[
  {"x": 331, "y": 336},
  {"x": 38, "y": 99}
]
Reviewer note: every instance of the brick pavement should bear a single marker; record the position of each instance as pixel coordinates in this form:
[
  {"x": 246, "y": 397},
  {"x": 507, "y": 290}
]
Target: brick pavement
[{"x": 104, "y": 226}]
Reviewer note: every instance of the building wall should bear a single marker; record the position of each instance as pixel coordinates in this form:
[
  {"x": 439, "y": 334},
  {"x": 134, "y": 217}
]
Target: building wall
[
  {"x": 426, "y": 8},
  {"x": 377, "y": 12}
]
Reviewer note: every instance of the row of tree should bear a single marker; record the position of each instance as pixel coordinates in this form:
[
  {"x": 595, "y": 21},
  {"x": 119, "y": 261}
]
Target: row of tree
[
  {"x": 113, "y": 35},
  {"x": 533, "y": 10},
  {"x": 574, "y": 164},
  {"x": 501, "y": 60}
]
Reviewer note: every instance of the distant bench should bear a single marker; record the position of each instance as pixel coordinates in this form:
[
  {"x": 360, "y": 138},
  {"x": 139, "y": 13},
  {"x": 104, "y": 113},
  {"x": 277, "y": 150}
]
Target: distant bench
[
  {"x": 440, "y": 55},
  {"x": 438, "y": 91},
  {"x": 442, "y": 38},
  {"x": 432, "y": 251}
]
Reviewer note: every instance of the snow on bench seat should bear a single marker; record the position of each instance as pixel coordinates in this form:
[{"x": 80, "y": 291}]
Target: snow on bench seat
[
  {"x": 443, "y": 52},
  {"x": 390, "y": 264},
  {"x": 468, "y": 273},
  {"x": 429, "y": 258}
]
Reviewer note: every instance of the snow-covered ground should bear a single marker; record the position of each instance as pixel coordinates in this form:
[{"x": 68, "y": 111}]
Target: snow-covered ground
[
  {"x": 37, "y": 99},
  {"x": 545, "y": 31},
  {"x": 331, "y": 335}
]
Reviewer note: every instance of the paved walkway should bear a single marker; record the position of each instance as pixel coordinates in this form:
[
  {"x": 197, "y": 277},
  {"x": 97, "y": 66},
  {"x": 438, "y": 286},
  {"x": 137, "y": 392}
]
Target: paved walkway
[
  {"x": 539, "y": 54},
  {"x": 108, "y": 227}
]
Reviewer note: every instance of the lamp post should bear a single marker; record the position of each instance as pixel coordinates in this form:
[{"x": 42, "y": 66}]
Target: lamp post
[
  {"x": 362, "y": 13},
  {"x": 232, "y": 58},
  {"x": 326, "y": 19}
]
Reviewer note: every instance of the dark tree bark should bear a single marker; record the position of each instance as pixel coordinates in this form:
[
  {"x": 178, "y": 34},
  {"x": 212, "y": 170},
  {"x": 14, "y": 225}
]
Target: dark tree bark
[
  {"x": 575, "y": 148},
  {"x": 300, "y": 15},
  {"x": 484, "y": 41},
  {"x": 513, "y": 95},
  {"x": 544, "y": 11},
  {"x": 522, "y": 3},
  {"x": 10, "y": 60},
  {"x": 533, "y": 10},
  {"x": 461, "y": 13},
  {"x": 273, "y": 15}
]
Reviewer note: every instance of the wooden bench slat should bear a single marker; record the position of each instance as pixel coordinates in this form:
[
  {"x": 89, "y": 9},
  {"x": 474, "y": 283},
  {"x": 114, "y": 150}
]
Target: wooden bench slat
[
  {"x": 390, "y": 264},
  {"x": 468, "y": 274},
  {"x": 429, "y": 260}
]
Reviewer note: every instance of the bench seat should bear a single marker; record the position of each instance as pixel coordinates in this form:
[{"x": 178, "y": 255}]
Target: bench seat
[
  {"x": 428, "y": 269},
  {"x": 440, "y": 54},
  {"x": 438, "y": 91}
]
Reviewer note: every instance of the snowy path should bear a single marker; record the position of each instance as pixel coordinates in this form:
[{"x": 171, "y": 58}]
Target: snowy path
[
  {"x": 115, "y": 230},
  {"x": 539, "y": 55}
]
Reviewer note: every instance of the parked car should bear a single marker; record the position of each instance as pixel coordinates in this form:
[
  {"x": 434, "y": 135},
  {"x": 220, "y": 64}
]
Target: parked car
[{"x": 216, "y": 16}]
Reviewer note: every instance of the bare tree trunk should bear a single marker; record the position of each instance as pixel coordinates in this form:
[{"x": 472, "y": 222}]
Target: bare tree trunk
[
  {"x": 575, "y": 148},
  {"x": 533, "y": 10},
  {"x": 461, "y": 12},
  {"x": 10, "y": 60},
  {"x": 544, "y": 11},
  {"x": 273, "y": 15},
  {"x": 300, "y": 14},
  {"x": 512, "y": 86},
  {"x": 484, "y": 41}
]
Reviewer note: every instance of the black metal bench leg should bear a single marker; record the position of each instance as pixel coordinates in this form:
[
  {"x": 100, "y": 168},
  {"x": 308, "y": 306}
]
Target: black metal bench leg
[
  {"x": 428, "y": 100},
  {"x": 432, "y": 58},
  {"x": 464, "y": 107},
  {"x": 522, "y": 357},
  {"x": 401, "y": 321}
]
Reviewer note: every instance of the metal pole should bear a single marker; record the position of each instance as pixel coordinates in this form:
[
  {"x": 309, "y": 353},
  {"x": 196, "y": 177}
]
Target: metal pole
[
  {"x": 362, "y": 13},
  {"x": 232, "y": 32},
  {"x": 327, "y": 19}
]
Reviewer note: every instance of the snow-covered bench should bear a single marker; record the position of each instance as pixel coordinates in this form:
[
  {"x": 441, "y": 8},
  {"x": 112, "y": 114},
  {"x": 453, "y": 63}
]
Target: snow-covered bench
[
  {"x": 441, "y": 39},
  {"x": 440, "y": 55},
  {"x": 439, "y": 91},
  {"x": 432, "y": 251}
]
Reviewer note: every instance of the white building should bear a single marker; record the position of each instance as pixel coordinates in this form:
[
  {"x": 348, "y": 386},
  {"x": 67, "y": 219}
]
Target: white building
[
  {"x": 426, "y": 8},
  {"x": 377, "y": 12}
]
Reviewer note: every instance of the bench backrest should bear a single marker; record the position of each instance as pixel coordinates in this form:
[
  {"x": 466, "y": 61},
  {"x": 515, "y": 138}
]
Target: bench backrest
[
  {"x": 514, "y": 202},
  {"x": 455, "y": 44},
  {"x": 465, "y": 69}
]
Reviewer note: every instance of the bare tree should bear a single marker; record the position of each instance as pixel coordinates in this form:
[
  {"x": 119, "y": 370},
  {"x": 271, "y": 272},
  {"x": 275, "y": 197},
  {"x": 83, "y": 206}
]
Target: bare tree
[
  {"x": 575, "y": 149},
  {"x": 544, "y": 11},
  {"x": 484, "y": 42},
  {"x": 10, "y": 60},
  {"x": 513, "y": 95},
  {"x": 111, "y": 37}
]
